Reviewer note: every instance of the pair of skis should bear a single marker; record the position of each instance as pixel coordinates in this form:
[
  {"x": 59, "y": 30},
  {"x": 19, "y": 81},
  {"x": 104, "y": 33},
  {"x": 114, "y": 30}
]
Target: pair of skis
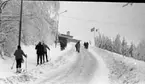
[
  {"x": 43, "y": 63},
  {"x": 23, "y": 70}
]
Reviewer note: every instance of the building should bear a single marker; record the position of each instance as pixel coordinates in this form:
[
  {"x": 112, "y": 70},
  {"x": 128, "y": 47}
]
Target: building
[{"x": 67, "y": 37}]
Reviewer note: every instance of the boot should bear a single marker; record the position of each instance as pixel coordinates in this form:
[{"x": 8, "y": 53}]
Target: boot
[
  {"x": 17, "y": 70},
  {"x": 20, "y": 70},
  {"x": 37, "y": 64}
]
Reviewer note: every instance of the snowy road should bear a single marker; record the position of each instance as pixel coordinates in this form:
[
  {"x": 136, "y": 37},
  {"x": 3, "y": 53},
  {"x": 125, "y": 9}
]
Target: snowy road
[
  {"x": 86, "y": 67},
  {"x": 84, "y": 70},
  {"x": 90, "y": 66}
]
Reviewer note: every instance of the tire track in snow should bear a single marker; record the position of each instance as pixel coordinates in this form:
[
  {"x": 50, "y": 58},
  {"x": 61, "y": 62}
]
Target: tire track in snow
[
  {"x": 90, "y": 66},
  {"x": 56, "y": 73},
  {"x": 102, "y": 73},
  {"x": 81, "y": 72},
  {"x": 84, "y": 72}
]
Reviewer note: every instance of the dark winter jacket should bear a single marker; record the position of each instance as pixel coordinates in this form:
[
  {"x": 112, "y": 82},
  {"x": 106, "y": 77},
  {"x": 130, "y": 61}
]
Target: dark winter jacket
[
  {"x": 45, "y": 47},
  {"x": 39, "y": 48},
  {"x": 18, "y": 54},
  {"x": 77, "y": 45},
  {"x": 86, "y": 44}
]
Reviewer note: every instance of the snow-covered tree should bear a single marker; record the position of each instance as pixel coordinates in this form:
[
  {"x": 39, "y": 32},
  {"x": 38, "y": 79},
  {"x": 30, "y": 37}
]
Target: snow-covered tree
[
  {"x": 130, "y": 51},
  {"x": 124, "y": 47},
  {"x": 121, "y": 47},
  {"x": 98, "y": 41},
  {"x": 141, "y": 50},
  {"x": 109, "y": 44},
  {"x": 117, "y": 44},
  {"x": 38, "y": 23},
  {"x": 103, "y": 42}
]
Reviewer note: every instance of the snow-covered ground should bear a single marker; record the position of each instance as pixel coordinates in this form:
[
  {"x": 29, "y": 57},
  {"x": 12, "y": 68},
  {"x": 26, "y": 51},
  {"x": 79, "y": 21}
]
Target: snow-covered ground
[
  {"x": 123, "y": 70},
  {"x": 6, "y": 71},
  {"x": 69, "y": 67},
  {"x": 92, "y": 66}
]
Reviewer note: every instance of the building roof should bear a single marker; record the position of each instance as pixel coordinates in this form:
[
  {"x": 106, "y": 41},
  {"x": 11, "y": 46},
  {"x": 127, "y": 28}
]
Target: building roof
[
  {"x": 70, "y": 38},
  {"x": 65, "y": 36}
]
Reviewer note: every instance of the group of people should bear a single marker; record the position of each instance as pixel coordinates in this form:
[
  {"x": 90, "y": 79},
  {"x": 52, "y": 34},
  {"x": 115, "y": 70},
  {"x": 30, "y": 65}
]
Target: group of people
[
  {"x": 41, "y": 48},
  {"x": 86, "y": 45}
]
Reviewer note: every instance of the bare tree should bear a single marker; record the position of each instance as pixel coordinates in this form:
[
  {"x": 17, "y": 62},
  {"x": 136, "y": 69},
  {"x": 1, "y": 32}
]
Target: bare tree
[
  {"x": 129, "y": 3},
  {"x": 2, "y": 6}
]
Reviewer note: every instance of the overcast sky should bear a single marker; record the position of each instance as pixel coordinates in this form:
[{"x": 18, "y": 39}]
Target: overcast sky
[{"x": 110, "y": 18}]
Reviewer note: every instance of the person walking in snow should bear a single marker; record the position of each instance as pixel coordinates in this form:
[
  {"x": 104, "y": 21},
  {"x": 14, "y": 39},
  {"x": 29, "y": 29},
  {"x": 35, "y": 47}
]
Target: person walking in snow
[
  {"x": 39, "y": 48},
  {"x": 19, "y": 58},
  {"x": 78, "y": 46},
  {"x": 45, "y": 47},
  {"x": 86, "y": 45}
]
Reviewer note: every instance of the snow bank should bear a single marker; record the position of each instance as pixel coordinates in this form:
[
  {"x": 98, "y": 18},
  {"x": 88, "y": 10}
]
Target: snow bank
[
  {"x": 56, "y": 52},
  {"x": 53, "y": 54},
  {"x": 5, "y": 69},
  {"x": 33, "y": 71},
  {"x": 123, "y": 70},
  {"x": 6, "y": 64}
]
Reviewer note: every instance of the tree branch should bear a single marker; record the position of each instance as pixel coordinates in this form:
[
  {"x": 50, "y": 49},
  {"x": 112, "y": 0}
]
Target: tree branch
[{"x": 127, "y": 4}]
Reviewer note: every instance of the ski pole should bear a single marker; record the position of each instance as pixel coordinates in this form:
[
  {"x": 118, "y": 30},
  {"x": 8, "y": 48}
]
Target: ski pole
[
  {"x": 26, "y": 64},
  {"x": 13, "y": 64},
  {"x": 49, "y": 56}
]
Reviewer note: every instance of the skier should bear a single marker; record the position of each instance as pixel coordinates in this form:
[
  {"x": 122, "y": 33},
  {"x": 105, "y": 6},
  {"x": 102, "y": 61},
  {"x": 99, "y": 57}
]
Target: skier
[
  {"x": 19, "y": 58},
  {"x": 78, "y": 46},
  {"x": 45, "y": 47},
  {"x": 39, "y": 49},
  {"x": 86, "y": 44}
]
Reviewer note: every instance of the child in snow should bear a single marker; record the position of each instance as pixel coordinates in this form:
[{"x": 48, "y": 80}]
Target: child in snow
[{"x": 19, "y": 58}]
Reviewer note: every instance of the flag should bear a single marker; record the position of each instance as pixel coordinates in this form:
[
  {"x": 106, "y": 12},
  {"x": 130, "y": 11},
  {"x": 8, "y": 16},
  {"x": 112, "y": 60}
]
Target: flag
[{"x": 92, "y": 29}]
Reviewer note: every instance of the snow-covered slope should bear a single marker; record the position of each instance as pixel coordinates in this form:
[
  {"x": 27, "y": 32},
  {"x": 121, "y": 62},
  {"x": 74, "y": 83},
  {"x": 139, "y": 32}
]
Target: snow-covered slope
[
  {"x": 6, "y": 71},
  {"x": 70, "y": 67},
  {"x": 92, "y": 66},
  {"x": 123, "y": 70}
]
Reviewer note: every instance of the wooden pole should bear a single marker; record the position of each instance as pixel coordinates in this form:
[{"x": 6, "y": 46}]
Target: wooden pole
[{"x": 20, "y": 24}]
